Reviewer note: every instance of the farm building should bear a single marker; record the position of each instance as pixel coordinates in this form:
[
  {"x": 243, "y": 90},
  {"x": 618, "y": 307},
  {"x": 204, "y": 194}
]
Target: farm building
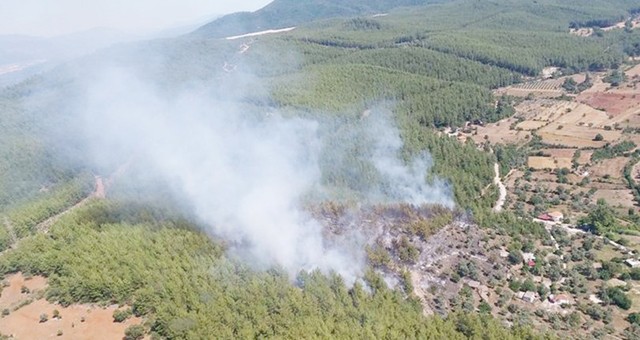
[
  {"x": 633, "y": 263},
  {"x": 530, "y": 297},
  {"x": 529, "y": 259},
  {"x": 554, "y": 216},
  {"x": 593, "y": 298},
  {"x": 545, "y": 217},
  {"x": 561, "y": 299}
]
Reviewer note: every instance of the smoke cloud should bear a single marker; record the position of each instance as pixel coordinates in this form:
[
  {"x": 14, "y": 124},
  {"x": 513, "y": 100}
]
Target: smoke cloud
[{"x": 245, "y": 171}]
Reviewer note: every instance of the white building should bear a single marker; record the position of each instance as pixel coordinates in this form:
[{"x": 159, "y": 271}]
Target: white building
[{"x": 633, "y": 263}]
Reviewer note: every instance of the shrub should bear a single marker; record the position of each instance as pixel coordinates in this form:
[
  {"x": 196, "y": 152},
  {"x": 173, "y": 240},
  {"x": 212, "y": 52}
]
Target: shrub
[
  {"x": 634, "y": 318},
  {"x": 528, "y": 285},
  {"x": 619, "y": 298},
  {"x": 44, "y": 317},
  {"x": 515, "y": 285},
  {"x": 484, "y": 308},
  {"x": 120, "y": 315},
  {"x": 515, "y": 257},
  {"x": 134, "y": 332}
]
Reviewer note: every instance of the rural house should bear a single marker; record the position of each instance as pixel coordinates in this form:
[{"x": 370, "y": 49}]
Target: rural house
[
  {"x": 561, "y": 299},
  {"x": 556, "y": 216},
  {"x": 633, "y": 263}
]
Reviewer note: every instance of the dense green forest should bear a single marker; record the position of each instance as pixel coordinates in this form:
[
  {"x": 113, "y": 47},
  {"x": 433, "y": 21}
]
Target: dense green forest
[
  {"x": 433, "y": 66},
  {"x": 180, "y": 280}
]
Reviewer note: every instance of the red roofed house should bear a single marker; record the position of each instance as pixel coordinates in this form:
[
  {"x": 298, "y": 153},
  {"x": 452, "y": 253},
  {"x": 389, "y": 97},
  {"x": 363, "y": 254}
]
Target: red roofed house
[
  {"x": 554, "y": 216},
  {"x": 545, "y": 217},
  {"x": 529, "y": 259}
]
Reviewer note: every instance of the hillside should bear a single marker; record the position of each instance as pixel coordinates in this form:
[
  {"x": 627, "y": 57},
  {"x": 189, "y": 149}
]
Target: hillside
[
  {"x": 336, "y": 180},
  {"x": 287, "y": 13}
]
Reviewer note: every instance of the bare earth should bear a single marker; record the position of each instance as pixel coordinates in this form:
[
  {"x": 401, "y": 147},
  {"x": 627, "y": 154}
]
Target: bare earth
[
  {"x": 24, "y": 322},
  {"x": 11, "y": 295},
  {"x": 503, "y": 190}
]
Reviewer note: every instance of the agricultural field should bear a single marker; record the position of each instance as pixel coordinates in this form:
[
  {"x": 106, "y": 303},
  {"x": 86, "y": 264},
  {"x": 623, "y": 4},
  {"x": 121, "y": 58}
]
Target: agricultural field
[
  {"x": 575, "y": 148},
  {"x": 546, "y": 88}
]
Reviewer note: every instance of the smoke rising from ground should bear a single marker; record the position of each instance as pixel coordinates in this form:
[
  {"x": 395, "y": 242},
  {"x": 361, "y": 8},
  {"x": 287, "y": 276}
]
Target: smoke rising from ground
[{"x": 244, "y": 171}]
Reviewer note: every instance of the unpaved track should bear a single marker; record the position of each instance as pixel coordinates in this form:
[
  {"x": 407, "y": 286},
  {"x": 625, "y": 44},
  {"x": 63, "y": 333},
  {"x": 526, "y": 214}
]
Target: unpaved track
[
  {"x": 98, "y": 192},
  {"x": 503, "y": 190}
]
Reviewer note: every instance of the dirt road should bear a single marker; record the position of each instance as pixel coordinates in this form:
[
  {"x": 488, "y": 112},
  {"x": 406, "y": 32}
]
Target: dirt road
[
  {"x": 98, "y": 192},
  {"x": 503, "y": 190}
]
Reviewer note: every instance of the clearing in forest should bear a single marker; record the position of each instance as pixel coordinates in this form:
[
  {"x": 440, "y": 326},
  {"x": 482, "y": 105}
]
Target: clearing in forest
[{"x": 75, "y": 322}]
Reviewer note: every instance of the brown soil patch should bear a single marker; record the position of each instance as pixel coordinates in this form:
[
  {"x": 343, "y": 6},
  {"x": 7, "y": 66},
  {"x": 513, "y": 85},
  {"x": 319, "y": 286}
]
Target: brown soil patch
[
  {"x": 24, "y": 323},
  {"x": 612, "y": 167},
  {"x": 11, "y": 295},
  {"x": 615, "y": 198},
  {"x": 598, "y": 85},
  {"x": 536, "y": 109},
  {"x": 613, "y": 103},
  {"x": 530, "y": 125},
  {"x": 634, "y": 71},
  {"x": 541, "y": 163},
  {"x": 576, "y": 137},
  {"x": 634, "y": 138},
  {"x": 563, "y": 162},
  {"x": 500, "y": 132},
  {"x": 560, "y": 153},
  {"x": 582, "y": 115},
  {"x": 561, "y": 157},
  {"x": 563, "y": 113}
]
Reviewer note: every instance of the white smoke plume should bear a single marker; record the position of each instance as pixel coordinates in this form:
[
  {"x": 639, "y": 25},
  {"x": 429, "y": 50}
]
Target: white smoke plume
[
  {"x": 405, "y": 183},
  {"x": 243, "y": 173}
]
